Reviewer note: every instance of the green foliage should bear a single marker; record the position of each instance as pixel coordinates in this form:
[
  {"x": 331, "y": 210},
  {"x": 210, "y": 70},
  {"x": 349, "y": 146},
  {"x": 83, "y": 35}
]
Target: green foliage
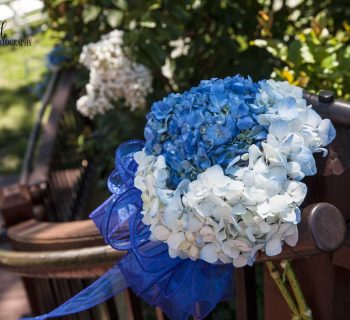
[
  {"x": 308, "y": 45},
  {"x": 313, "y": 54}
]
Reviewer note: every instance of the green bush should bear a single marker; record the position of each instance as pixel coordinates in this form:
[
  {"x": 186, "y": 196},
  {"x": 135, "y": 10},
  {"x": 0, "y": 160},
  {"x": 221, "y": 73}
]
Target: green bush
[
  {"x": 216, "y": 33},
  {"x": 315, "y": 57},
  {"x": 296, "y": 41}
]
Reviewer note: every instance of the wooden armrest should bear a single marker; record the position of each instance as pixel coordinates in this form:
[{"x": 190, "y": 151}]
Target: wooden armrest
[
  {"x": 322, "y": 229},
  {"x": 33, "y": 235},
  {"x": 75, "y": 263},
  {"x": 58, "y": 250}
]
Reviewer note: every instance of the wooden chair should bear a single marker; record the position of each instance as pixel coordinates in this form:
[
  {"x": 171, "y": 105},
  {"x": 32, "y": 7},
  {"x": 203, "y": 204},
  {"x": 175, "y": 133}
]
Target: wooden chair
[{"x": 58, "y": 257}]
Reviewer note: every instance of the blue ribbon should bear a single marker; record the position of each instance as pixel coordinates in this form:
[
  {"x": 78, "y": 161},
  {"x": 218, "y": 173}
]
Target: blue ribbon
[{"x": 180, "y": 287}]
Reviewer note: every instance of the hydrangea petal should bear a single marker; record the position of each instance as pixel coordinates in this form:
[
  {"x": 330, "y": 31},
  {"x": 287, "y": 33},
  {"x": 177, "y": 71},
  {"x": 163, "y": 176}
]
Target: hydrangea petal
[
  {"x": 209, "y": 253},
  {"x": 326, "y": 132},
  {"x": 273, "y": 247}
]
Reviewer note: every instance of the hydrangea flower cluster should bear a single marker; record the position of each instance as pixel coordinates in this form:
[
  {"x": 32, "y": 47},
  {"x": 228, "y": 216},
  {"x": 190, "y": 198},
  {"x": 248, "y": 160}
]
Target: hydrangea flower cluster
[
  {"x": 113, "y": 75},
  {"x": 210, "y": 124},
  {"x": 220, "y": 173}
]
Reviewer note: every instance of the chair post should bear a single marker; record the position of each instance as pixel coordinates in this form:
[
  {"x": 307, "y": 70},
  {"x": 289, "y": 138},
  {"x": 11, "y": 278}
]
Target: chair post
[
  {"x": 245, "y": 295},
  {"x": 15, "y": 204},
  {"x": 133, "y": 305}
]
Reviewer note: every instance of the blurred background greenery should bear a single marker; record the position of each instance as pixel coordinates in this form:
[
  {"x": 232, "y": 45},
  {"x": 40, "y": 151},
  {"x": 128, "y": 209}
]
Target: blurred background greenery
[
  {"x": 305, "y": 42},
  {"x": 22, "y": 70}
]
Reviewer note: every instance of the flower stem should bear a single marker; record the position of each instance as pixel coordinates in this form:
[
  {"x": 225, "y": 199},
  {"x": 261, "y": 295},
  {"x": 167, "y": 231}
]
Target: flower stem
[
  {"x": 305, "y": 311},
  {"x": 276, "y": 276}
]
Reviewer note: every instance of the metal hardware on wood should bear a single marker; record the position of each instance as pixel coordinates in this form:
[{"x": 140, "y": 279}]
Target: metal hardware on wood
[{"x": 326, "y": 96}]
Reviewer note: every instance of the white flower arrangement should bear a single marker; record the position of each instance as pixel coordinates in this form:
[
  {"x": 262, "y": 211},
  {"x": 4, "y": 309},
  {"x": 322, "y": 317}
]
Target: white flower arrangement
[
  {"x": 227, "y": 215},
  {"x": 113, "y": 75}
]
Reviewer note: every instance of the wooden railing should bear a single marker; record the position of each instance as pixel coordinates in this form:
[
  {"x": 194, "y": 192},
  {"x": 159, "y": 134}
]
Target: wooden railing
[{"x": 76, "y": 250}]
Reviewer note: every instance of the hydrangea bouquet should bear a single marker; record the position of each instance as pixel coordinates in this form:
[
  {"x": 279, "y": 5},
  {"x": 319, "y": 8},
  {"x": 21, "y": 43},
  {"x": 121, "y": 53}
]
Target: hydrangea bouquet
[
  {"x": 221, "y": 168},
  {"x": 217, "y": 180}
]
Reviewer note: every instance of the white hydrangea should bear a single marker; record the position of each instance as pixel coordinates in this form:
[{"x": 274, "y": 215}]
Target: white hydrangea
[
  {"x": 113, "y": 75},
  {"x": 226, "y": 217},
  {"x": 219, "y": 217}
]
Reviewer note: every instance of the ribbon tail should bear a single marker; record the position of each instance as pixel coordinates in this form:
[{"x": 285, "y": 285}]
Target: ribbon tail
[{"x": 110, "y": 284}]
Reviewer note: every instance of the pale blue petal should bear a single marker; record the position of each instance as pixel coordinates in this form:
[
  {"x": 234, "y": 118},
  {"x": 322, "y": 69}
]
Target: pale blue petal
[
  {"x": 326, "y": 132},
  {"x": 287, "y": 108}
]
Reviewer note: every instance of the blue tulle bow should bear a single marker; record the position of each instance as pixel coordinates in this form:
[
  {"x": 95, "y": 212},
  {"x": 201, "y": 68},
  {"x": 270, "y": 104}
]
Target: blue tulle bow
[{"x": 179, "y": 287}]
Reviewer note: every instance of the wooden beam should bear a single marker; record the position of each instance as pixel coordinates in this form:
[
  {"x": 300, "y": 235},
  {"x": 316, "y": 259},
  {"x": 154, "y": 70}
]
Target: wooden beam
[
  {"x": 47, "y": 142},
  {"x": 245, "y": 294}
]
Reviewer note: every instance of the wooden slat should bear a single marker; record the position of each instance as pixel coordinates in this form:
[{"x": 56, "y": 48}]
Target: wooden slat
[
  {"x": 30, "y": 150},
  {"x": 112, "y": 309},
  {"x": 13, "y": 301},
  {"x": 341, "y": 258},
  {"x": 62, "y": 188},
  {"x": 159, "y": 314},
  {"x": 49, "y": 134},
  {"x": 245, "y": 294},
  {"x": 134, "y": 306},
  {"x": 335, "y": 190},
  {"x": 341, "y": 298}
]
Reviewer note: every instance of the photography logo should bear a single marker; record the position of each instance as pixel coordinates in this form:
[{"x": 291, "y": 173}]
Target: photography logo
[{"x": 7, "y": 42}]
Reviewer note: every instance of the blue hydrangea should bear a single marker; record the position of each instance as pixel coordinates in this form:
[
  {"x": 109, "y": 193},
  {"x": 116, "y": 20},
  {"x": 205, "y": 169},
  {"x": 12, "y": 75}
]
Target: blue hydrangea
[{"x": 207, "y": 125}]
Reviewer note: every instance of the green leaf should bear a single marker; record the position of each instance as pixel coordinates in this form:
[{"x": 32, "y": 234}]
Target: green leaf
[
  {"x": 294, "y": 54},
  {"x": 91, "y": 13},
  {"x": 114, "y": 18},
  {"x": 261, "y": 43},
  {"x": 121, "y": 4},
  {"x": 330, "y": 62},
  {"x": 306, "y": 54},
  {"x": 148, "y": 24}
]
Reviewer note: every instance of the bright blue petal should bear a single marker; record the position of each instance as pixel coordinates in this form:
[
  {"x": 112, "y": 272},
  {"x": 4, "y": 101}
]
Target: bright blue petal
[{"x": 245, "y": 123}]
